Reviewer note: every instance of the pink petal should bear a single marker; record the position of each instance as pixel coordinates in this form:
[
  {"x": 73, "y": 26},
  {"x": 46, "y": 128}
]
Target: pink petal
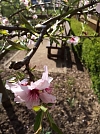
[
  {"x": 17, "y": 99},
  {"x": 8, "y": 85},
  {"x": 31, "y": 103},
  {"x": 29, "y": 100},
  {"x": 73, "y": 40},
  {"x": 24, "y": 82},
  {"x": 98, "y": 8},
  {"x": 40, "y": 84},
  {"x": 47, "y": 98},
  {"x": 21, "y": 96},
  {"x": 50, "y": 79},
  {"x": 19, "y": 88},
  {"x": 45, "y": 74}
]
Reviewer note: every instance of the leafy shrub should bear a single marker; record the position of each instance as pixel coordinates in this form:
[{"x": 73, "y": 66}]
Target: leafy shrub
[
  {"x": 90, "y": 54},
  {"x": 91, "y": 57}
]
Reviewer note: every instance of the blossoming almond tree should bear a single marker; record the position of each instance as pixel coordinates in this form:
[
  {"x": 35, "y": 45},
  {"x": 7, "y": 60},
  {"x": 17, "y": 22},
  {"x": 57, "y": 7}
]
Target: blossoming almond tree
[{"x": 37, "y": 95}]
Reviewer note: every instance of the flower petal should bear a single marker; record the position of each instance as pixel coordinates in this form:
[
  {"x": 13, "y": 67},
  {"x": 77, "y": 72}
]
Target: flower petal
[
  {"x": 21, "y": 96},
  {"x": 73, "y": 40},
  {"x": 40, "y": 84},
  {"x": 45, "y": 74},
  {"x": 98, "y": 7},
  {"x": 24, "y": 82},
  {"x": 47, "y": 98},
  {"x": 17, "y": 99},
  {"x": 31, "y": 103}
]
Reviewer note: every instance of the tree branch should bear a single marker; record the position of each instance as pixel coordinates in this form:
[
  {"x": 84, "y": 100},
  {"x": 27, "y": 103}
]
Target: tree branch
[{"x": 17, "y": 65}]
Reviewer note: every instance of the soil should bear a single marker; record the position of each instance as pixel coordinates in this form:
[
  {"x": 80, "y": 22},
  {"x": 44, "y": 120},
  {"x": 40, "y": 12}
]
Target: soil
[{"x": 77, "y": 110}]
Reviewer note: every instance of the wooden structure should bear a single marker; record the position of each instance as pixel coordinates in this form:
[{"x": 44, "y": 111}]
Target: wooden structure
[{"x": 61, "y": 47}]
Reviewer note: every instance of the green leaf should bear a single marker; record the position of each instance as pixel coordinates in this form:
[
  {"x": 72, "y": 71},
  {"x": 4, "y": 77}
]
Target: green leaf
[
  {"x": 17, "y": 45},
  {"x": 36, "y": 108},
  {"x": 5, "y": 32},
  {"x": 75, "y": 2},
  {"x": 85, "y": 16},
  {"x": 49, "y": 118},
  {"x": 44, "y": 109},
  {"x": 20, "y": 75},
  {"x": 56, "y": 41},
  {"x": 27, "y": 24},
  {"x": 55, "y": 28},
  {"x": 53, "y": 125},
  {"x": 56, "y": 129},
  {"x": 38, "y": 121}
]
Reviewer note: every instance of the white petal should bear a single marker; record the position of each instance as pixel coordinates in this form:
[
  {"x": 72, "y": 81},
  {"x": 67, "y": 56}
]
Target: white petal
[{"x": 45, "y": 74}]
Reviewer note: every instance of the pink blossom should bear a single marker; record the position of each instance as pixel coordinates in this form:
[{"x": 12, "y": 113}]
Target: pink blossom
[
  {"x": 42, "y": 8},
  {"x": 86, "y": 2},
  {"x": 73, "y": 40},
  {"x": 25, "y": 2},
  {"x": 33, "y": 37},
  {"x": 30, "y": 43},
  {"x": 5, "y": 21},
  {"x": 32, "y": 93},
  {"x": 35, "y": 16},
  {"x": 98, "y": 7}
]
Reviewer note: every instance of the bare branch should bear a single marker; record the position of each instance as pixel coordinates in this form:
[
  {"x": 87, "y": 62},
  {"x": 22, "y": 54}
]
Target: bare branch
[{"x": 17, "y": 65}]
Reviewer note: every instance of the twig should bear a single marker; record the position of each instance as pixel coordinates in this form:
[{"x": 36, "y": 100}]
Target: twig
[
  {"x": 13, "y": 28},
  {"x": 17, "y": 65}
]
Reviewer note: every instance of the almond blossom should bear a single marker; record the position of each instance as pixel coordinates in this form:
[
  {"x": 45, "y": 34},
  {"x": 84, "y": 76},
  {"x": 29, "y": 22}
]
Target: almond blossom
[
  {"x": 98, "y": 7},
  {"x": 5, "y": 21},
  {"x": 25, "y": 2},
  {"x": 73, "y": 40},
  {"x": 32, "y": 93},
  {"x": 35, "y": 16}
]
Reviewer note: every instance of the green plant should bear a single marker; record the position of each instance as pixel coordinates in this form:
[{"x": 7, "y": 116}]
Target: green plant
[
  {"x": 91, "y": 57},
  {"x": 88, "y": 50}
]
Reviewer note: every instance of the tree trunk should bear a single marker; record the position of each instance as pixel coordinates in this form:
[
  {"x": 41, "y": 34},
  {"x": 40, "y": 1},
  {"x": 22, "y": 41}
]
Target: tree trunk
[{"x": 5, "y": 98}]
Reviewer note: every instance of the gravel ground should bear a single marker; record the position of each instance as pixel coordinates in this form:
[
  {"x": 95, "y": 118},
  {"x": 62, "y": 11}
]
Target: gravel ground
[{"x": 76, "y": 111}]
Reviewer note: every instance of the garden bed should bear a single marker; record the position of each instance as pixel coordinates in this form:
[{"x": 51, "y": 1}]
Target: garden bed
[{"x": 76, "y": 111}]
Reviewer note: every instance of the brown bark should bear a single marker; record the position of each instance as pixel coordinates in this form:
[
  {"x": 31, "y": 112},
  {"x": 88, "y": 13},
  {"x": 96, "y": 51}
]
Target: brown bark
[{"x": 5, "y": 98}]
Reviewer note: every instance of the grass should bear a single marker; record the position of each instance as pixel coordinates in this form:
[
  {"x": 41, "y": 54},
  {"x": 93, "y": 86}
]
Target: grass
[
  {"x": 90, "y": 52},
  {"x": 77, "y": 27}
]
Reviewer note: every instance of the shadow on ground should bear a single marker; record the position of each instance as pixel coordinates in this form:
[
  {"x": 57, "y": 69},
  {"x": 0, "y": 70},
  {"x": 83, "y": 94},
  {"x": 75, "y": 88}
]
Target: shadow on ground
[{"x": 67, "y": 59}]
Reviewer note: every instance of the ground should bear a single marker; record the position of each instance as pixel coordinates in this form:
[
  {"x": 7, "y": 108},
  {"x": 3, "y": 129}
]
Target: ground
[{"x": 77, "y": 110}]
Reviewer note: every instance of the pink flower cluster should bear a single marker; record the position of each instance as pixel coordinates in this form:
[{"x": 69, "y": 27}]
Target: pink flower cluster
[
  {"x": 73, "y": 40},
  {"x": 32, "y": 93},
  {"x": 35, "y": 16},
  {"x": 25, "y": 2},
  {"x": 4, "y": 21}
]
